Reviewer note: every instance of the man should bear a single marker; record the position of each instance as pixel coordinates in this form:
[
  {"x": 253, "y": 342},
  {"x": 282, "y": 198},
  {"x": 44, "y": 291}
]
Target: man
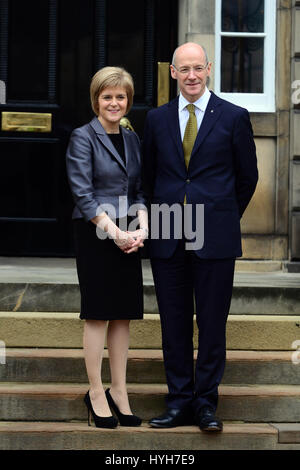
[{"x": 200, "y": 155}]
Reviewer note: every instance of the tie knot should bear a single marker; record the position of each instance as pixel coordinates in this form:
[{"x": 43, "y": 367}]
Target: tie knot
[{"x": 191, "y": 108}]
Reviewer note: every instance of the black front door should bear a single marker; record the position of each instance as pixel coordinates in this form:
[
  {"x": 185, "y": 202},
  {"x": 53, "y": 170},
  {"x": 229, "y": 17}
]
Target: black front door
[{"x": 49, "y": 50}]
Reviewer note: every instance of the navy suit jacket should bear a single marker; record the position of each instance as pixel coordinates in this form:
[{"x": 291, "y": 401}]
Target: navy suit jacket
[
  {"x": 222, "y": 173},
  {"x": 98, "y": 175}
]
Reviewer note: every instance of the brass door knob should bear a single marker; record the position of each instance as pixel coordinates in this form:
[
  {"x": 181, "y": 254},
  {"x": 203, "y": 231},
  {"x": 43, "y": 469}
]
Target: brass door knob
[{"x": 126, "y": 123}]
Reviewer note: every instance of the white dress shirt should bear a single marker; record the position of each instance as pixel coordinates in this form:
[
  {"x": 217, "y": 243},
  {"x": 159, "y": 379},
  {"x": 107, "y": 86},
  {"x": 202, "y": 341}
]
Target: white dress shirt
[{"x": 200, "y": 107}]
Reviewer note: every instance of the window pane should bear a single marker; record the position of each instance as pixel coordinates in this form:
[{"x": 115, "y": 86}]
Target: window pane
[
  {"x": 28, "y": 50},
  {"x": 242, "y": 65},
  {"x": 243, "y": 15},
  {"x": 125, "y": 41}
]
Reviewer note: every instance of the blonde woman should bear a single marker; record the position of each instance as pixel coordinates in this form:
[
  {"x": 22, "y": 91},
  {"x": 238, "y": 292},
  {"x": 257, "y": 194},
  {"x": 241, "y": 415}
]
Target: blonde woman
[{"x": 104, "y": 171}]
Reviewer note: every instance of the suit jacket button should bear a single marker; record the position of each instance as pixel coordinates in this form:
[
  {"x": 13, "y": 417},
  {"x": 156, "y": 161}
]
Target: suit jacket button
[{"x": 188, "y": 181}]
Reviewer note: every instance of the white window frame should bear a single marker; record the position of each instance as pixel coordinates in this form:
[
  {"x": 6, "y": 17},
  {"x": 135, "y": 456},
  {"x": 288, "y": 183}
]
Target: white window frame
[{"x": 254, "y": 102}]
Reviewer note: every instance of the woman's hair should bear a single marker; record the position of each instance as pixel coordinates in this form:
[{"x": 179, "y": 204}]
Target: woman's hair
[{"x": 111, "y": 77}]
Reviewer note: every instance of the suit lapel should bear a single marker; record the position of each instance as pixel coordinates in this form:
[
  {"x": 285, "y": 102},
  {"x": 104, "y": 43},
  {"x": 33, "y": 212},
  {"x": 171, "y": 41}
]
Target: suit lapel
[
  {"x": 127, "y": 142},
  {"x": 211, "y": 115},
  {"x": 105, "y": 140},
  {"x": 174, "y": 128}
]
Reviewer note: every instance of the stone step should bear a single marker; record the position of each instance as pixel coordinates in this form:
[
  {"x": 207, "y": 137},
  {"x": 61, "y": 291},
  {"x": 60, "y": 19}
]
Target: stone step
[
  {"x": 47, "y": 285},
  {"x": 79, "y": 436},
  {"x": 64, "y": 330},
  {"x": 246, "y": 299},
  {"x": 64, "y": 402},
  {"x": 289, "y": 433},
  {"x": 144, "y": 366}
]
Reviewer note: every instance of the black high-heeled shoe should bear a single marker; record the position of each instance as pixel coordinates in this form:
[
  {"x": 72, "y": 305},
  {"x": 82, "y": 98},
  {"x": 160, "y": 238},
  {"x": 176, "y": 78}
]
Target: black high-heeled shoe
[
  {"x": 100, "y": 422},
  {"x": 125, "y": 420}
]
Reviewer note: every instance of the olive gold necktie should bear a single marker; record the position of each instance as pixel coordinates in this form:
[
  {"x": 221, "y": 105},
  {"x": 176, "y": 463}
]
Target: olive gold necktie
[{"x": 190, "y": 135}]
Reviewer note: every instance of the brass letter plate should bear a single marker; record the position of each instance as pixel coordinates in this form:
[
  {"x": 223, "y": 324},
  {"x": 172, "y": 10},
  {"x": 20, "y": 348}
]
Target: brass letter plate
[
  {"x": 163, "y": 82},
  {"x": 26, "y": 122}
]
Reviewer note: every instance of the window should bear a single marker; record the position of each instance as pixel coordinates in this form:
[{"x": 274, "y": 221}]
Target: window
[{"x": 245, "y": 53}]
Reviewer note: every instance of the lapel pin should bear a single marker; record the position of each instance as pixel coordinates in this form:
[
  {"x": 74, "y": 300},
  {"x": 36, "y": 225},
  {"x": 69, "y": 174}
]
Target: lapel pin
[{"x": 211, "y": 110}]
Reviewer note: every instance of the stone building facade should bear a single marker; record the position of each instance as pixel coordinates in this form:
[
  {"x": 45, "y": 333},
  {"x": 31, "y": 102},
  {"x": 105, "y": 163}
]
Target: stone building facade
[
  {"x": 262, "y": 74},
  {"x": 295, "y": 133},
  {"x": 271, "y": 224}
]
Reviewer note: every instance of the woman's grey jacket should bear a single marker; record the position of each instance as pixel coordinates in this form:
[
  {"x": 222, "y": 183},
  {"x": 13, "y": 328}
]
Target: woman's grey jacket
[{"x": 98, "y": 177}]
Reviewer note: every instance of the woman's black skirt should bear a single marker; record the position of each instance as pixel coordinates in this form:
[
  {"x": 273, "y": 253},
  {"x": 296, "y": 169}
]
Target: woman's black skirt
[{"x": 110, "y": 281}]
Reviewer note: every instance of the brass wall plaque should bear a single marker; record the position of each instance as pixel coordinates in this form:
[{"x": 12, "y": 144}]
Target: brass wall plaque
[
  {"x": 26, "y": 122},
  {"x": 163, "y": 82}
]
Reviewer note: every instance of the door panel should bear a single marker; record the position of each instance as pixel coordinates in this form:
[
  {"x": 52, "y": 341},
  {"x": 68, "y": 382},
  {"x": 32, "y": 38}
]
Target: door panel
[
  {"x": 46, "y": 66},
  {"x": 126, "y": 36},
  {"x": 26, "y": 53}
]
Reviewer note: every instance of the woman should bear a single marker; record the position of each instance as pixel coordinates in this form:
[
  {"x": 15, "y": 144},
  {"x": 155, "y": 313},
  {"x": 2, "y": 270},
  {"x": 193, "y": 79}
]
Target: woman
[{"x": 104, "y": 171}]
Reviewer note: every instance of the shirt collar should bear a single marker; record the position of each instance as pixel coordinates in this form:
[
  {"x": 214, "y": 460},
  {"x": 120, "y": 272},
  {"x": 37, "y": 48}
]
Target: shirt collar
[{"x": 201, "y": 103}]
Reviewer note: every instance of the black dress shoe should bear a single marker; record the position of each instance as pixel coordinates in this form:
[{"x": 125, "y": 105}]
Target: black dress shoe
[
  {"x": 125, "y": 420},
  {"x": 100, "y": 422},
  {"x": 207, "y": 421},
  {"x": 171, "y": 418}
]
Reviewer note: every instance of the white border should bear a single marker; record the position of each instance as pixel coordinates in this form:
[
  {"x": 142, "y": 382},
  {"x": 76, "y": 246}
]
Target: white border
[{"x": 254, "y": 102}]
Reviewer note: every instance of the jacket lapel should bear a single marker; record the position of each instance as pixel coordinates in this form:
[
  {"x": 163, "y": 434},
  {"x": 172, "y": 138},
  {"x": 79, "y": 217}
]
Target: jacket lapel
[
  {"x": 174, "y": 128},
  {"x": 127, "y": 143},
  {"x": 105, "y": 140},
  {"x": 211, "y": 115}
]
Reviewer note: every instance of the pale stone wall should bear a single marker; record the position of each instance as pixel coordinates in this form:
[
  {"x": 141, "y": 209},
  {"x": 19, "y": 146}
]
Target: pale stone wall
[
  {"x": 265, "y": 224},
  {"x": 295, "y": 138}
]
